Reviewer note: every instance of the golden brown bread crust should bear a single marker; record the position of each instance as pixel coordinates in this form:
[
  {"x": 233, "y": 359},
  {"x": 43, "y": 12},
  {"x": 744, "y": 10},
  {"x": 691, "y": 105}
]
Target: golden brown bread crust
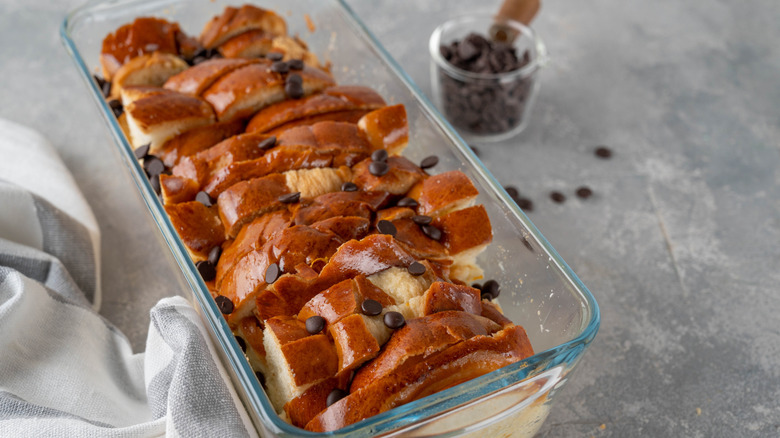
[
  {"x": 456, "y": 364},
  {"x": 156, "y": 118},
  {"x": 443, "y": 192},
  {"x": 386, "y": 128},
  {"x": 250, "y": 44},
  {"x": 198, "y": 139},
  {"x": 247, "y": 200},
  {"x": 234, "y": 21},
  {"x": 335, "y": 98},
  {"x": 198, "y": 226},
  {"x": 142, "y": 36},
  {"x": 420, "y": 338},
  {"x": 246, "y": 90},
  {"x": 402, "y": 175},
  {"x": 196, "y": 79},
  {"x": 303, "y": 408},
  {"x": 443, "y": 296},
  {"x": 340, "y": 204},
  {"x": 355, "y": 344},
  {"x": 206, "y": 163},
  {"x": 465, "y": 229},
  {"x": 175, "y": 189},
  {"x": 347, "y": 116},
  {"x": 151, "y": 69}
]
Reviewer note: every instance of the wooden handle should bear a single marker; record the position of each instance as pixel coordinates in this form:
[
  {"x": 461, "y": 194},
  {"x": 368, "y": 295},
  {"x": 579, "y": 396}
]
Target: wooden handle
[{"x": 523, "y": 11}]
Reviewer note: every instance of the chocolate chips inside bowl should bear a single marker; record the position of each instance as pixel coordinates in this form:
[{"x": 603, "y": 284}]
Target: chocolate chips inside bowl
[{"x": 484, "y": 87}]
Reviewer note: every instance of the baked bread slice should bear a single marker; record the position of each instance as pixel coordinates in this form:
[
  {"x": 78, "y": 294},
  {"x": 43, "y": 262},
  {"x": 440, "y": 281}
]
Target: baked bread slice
[
  {"x": 156, "y": 118},
  {"x": 332, "y": 99},
  {"x": 235, "y": 21}
]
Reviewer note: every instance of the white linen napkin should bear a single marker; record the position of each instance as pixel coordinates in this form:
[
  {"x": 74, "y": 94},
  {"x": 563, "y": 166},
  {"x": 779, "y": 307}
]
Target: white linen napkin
[{"x": 64, "y": 369}]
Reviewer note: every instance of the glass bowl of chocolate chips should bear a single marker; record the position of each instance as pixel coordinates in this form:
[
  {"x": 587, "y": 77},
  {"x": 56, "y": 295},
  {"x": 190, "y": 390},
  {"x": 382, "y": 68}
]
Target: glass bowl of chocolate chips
[{"x": 484, "y": 73}]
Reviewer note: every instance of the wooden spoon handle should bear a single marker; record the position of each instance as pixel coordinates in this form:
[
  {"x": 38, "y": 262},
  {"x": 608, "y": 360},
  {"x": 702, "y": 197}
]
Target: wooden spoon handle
[{"x": 523, "y": 11}]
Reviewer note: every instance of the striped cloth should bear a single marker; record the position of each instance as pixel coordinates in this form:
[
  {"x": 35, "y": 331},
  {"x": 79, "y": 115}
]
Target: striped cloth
[{"x": 64, "y": 369}]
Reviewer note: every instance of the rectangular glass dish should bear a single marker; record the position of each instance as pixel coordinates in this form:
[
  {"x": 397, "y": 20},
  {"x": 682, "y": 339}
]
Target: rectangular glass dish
[{"x": 538, "y": 290}]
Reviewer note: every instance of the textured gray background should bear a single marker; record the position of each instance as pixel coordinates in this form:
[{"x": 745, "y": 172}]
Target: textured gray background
[{"x": 680, "y": 244}]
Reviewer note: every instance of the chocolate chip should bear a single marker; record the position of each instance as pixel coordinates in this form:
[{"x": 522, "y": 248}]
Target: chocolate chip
[
  {"x": 416, "y": 268},
  {"x": 315, "y": 324},
  {"x": 294, "y": 77},
  {"x": 394, "y": 320},
  {"x": 603, "y": 152},
  {"x": 525, "y": 204},
  {"x": 432, "y": 232},
  {"x": 584, "y": 192},
  {"x": 154, "y": 181},
  {"x": 241, "y": 343},
  {"x": 476, "y": 286},
  {"x": 205, "y": 199},
  {"x": 153, "y": 165},
  {"x": 512, "y": 192},
  {"x": 557, "y": 197},
  {"x": 206, "y": 270},
  {"x": 379, "y": 155},
  {"x": 378, "y": 168},
  {"x": 104, "y": 85},
  {"x": 215, "y": 254},
  {"x": 225, "y": 304},
  {"x": 295, "y": 64},
  {"x": 335, "y": 396},
  {"x": 486, "y": 296},
  {"x": 280, "y": 67},
  {"x": 429, "y": 162},
  {"x": 293, "y": 90},
  {"x": 349, "y": 187},
  {"x": 386, "y": 227},
  {"x": 422, "y": 219},
  {"x": 272, "y": 273},
  {"x": 142, "y": 151},
  {"x": 116, "y": 107},
  {"x": 290, "y": 198},
  {"x": 268, "y": 143},
  {"x": 260, "y": 377},
  {"x": 371, "y": 307},
  {"x": 467, "y": 51},
  {"x": 407, "y": 202},
  {"x": 274, "y": 56},
  {"x": 491, "y": 287}
]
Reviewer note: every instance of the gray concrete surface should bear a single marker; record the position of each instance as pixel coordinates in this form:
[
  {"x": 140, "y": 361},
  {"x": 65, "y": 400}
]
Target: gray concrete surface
[{"x": 680, "y": 244}]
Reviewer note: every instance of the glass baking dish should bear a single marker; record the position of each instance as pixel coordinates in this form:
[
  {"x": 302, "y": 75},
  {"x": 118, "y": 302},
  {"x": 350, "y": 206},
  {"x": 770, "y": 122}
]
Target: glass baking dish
[{"x": 539, "y": 291}]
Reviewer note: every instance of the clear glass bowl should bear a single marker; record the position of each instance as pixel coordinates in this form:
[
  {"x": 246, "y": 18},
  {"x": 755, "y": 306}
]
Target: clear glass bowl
[
  {"x": 486, "y": 107},
  {"x": 539, "y": 291}
]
